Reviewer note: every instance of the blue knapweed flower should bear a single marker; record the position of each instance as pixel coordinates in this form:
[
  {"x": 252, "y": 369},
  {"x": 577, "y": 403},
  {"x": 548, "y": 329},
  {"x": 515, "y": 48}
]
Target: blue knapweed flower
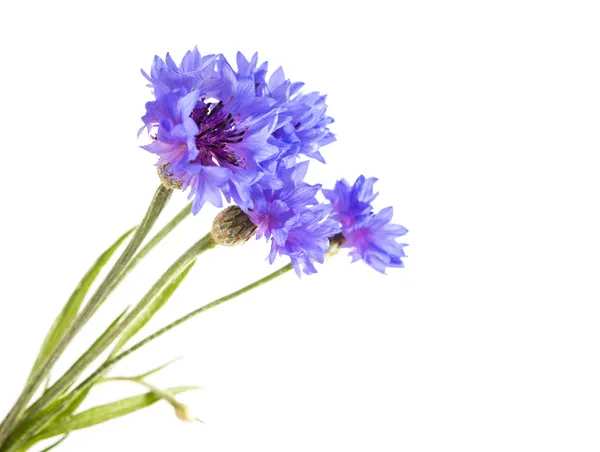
[
  {"x": 219, "y": 132},
  {"x": 303, "y": 126},
  {"x": 306, "y": 126},
  {"x": 195, "y": 72},
  {"x": 293, "y": 220},
  {"x": 369, "y": 236},
  {"x": 212, "y": 145},
  {"x": 307, "y": 239},
  {"x": 351, "y": 202}
]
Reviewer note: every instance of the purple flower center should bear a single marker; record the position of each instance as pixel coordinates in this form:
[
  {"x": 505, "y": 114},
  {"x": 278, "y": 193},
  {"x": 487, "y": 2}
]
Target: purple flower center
[{"x": 218, "y": 131}]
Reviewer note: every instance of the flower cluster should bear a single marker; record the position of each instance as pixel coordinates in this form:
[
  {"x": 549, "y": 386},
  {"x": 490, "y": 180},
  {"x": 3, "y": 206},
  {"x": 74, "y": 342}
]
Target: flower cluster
[
  {"x": 219, "y": 131},
  {"x": 368, "y": 235},
  {"x": 292, "y": 217},
  {"x": 237, "y": 134}
]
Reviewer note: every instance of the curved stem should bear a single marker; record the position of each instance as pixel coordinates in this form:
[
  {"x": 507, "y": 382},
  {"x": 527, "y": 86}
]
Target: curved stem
[
  {"x": 106, "y": 366},
  {"x": 161, "y": 197},
  {"x": 156, "y": 390}
]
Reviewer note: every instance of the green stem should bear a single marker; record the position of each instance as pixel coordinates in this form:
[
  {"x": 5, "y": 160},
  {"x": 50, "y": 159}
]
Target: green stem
[
  {"x": 211, "y": 305},
  {"x": 182, "y": 215},
  {"x": 202, "y": 245},
  {"x": 166, "y": 230},
  {"x": 159, "y": 392},
  {"x": 106, "y": 366},
  {"x": 159, "y": 201}
]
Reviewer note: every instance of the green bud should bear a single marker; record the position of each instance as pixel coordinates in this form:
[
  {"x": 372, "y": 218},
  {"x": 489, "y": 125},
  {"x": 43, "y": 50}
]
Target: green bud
[
  {"x": 232, "y": 227},
  {"x": 165, "y": 178}
]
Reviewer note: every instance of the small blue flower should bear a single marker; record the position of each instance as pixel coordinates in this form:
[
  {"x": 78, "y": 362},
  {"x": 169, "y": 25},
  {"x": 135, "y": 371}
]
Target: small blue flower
[
  {"x": 369, "y": 236},
  {"x": 293, "y": 220},
  {"x": 373, "y": 239},
  {"x": 303, "y": 127},
  {"x": 308, "y": 130},
  {"x": 351, "y": 202},
  {"x": 307, "y": 239}
]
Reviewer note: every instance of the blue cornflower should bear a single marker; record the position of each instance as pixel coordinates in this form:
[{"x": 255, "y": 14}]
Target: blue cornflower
[
  {"x": 304, "y": 125},
  {"x": 194, "y": 72},
  {"x": 351, "y": 202},
  {"x": 308, "y": 130},
  {"x": 219, "y": 132},
  {"x": 307, "y": 239},
  {"x": 293, "y": 220},
  {"x": 369, "y": 236},
  {"x": 213, "y": 145}
]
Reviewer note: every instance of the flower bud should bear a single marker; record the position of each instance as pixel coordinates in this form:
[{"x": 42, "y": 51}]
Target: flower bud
[
  {"x": 183, "y": 413},
  {"x": 232, "y": 227},
  {"x": 165, "y": 178}
]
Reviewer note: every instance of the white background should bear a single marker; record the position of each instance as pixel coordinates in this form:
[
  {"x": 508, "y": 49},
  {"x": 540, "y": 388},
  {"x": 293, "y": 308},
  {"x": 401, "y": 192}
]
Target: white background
[{"x": 481, "y": 121}]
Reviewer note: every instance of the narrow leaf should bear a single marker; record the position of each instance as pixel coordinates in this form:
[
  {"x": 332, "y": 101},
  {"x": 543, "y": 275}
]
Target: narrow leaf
[
  {"x": 33, "y": 413},
  {"x": 104, "y": 413},
  {"x": 92, "y": 350},
  {"x": 76, "y": 403},
  {"x": 152, "y": 309},
  {"x": 65, "y": 413},
  {"x": 71, "y": 308},
  {"x": 47, "y": 382},
  {"x": 156, "y": 370},
  {"x": 144, "y": 375},
  {"x": 55, "y": 444}
]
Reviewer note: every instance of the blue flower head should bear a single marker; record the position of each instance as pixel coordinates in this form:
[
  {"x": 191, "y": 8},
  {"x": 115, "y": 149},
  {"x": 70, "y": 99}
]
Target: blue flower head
[
  {"x": 303, "y": 126},
  {"x": 194, "y": 72},
  {"x": 220, "y": 132},
  {"x": 293, "y": 220},
  {"x": 306, "y": 126},
  {"x": 369, "y": 236},
  {"x": 307, "y": 239}
]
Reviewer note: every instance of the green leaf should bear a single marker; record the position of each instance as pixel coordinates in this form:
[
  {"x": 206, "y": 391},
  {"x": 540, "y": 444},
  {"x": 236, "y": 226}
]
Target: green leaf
[
  {"x": 104, "y": 413},
  {"x": 93, "y": 349},
  {"x": 32, "y": 414},
  {"x": 141, "y": 376},
  {"x": 55, "y": 444},
  {"x": 155, "y": 370},
  {"x": 76, "y": 403},
  {"x": 65, "y": 413},
  {"x": 71, "y": 308},
  {"x": 152, "y": 309}
]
